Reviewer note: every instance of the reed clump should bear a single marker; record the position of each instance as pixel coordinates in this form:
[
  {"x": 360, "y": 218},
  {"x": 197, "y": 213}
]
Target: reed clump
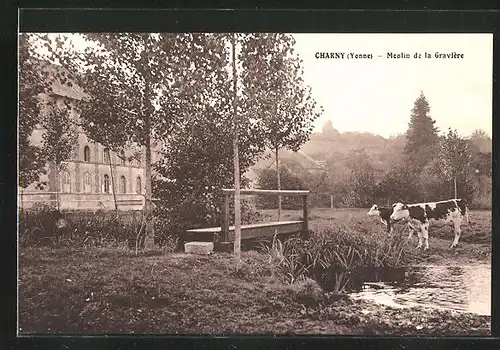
[{"x": 333, "y": 256}]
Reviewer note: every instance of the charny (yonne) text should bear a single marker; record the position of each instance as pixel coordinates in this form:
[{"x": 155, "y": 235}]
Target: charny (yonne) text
[{"x": 342, "y": 55}]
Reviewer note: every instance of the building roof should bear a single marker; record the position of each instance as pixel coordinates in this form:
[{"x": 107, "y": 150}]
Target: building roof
[{"x": 59, "y": 88}]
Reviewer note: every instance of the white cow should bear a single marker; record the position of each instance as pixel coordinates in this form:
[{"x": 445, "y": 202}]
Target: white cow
[{"x": 421, "y": 215}]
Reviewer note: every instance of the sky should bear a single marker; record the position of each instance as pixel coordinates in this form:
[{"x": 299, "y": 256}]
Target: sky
[{"x": 377, "y": 95}]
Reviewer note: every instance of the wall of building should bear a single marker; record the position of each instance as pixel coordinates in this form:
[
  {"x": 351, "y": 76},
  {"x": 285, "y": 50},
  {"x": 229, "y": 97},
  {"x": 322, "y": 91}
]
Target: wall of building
[
  {"x": 80, "y": 201},
  {"x": 81, "y": 183}
]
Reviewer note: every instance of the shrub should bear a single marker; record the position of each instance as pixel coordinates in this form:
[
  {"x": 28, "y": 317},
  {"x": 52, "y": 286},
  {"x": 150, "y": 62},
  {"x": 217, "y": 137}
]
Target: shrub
[
  {"x": 268, "y": 180},
  {"x": 38, "y": 226}
]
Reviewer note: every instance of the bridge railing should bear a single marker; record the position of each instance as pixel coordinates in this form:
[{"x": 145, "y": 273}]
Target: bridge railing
[{"x": 228, "y": 192}]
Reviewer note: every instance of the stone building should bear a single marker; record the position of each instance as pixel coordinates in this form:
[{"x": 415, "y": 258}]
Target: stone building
[{"x": 94, "y": 177}]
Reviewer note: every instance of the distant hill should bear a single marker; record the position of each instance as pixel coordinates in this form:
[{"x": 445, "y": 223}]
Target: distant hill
[{"x": 323, "y": 150}]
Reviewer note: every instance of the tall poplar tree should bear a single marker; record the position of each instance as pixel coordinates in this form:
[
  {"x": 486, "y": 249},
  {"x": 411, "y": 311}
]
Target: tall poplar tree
[
  {"x": 455, "y": 159},
  {"x": 140, "y": 85},
  {"x": 275, "y": 93}
]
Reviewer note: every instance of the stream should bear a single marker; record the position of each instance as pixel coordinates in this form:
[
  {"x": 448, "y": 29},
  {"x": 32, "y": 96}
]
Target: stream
[{"x": 458, "y": 288}]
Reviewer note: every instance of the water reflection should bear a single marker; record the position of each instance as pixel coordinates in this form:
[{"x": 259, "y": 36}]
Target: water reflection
[{"x": 462, "y": 288}]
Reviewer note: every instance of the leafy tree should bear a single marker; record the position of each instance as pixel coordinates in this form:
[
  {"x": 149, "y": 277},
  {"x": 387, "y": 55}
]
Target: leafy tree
[
  {"x": 268, "y": 180},
  {"x": 59, "y": 140},
  {"x": 275, "y": 93},
  {"x": 197, "y": 157},
  {"x": 53, "y": 113},
  {"x": 480, "y": 141},
  {"x": 362, "y": 180},
  {"x": 422, "y": 135},
  {"x": 480, "y": 145},
  {"x": 455, "y": 158},
  {"x": 31, "y": 83},
  {"x": 433, "y": 185},
  {"x": 141, "y": 85},
  {"x": 196, "y": 163},
  {"x": 401, "y": 183},
  {"x": 482, "y": 163}
]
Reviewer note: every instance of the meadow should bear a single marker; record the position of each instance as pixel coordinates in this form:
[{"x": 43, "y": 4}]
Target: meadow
[{"x": 114, "y": 290}]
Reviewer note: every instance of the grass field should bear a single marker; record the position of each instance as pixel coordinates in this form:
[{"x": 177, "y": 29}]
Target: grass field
[
  {"x": 474, "y": 244},
  {"x": 114, "y": 291}
]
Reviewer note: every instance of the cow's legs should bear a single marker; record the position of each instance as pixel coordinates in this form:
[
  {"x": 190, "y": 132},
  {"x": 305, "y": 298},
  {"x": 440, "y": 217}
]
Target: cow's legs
[
  {"x": 410, "y": 235},
  {"x": 387, "y": 225},
  {"x": 425, "y": 235},
  {"x": 456, "y": 228},
  {"x": 420, "y": 236}
]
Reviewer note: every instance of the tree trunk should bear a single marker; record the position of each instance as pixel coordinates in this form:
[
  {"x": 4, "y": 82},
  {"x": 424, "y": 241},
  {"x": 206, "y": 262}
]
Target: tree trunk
[
  {"x": 149, "y": 233},
  {"x": 455, "y": 186},
  {"x": 279, "y": 181},
  {"x": 21, "y": 199},
  {"x": 56, "y": 177},
  {"x": 479, "y": 190},
  {"x": 331, "y": 201},
  {"x": 237, "y": 213},
  {"x": 112, "y": 182}
]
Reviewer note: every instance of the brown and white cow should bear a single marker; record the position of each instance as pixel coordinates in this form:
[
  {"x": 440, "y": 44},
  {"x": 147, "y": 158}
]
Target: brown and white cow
[{"x": 421, "y": 215}]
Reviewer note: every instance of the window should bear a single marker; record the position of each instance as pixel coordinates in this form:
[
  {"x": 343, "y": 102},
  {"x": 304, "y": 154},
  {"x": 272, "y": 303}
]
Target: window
[
  {"x": 123, "y": 184},
  {"x": 106, "y": 184},
  {"x": 87, "y": 183},
  {"x": 65, "y": 179},
  {"x": 86, "y": 154},
  {"x": 106, "y": 156},
  {"x": 138, "y": 185}
]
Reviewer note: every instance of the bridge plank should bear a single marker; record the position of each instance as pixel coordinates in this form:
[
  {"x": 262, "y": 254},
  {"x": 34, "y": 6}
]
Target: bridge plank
[
  {"x": 252, "y": 192},
  {"x": 253, "y": 230}
]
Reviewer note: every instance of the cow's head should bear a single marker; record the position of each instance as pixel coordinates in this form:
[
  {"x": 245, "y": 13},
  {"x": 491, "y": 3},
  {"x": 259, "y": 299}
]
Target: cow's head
[
  {"x": 399, "y": 211},
  {"x": 373, "y": 211}
]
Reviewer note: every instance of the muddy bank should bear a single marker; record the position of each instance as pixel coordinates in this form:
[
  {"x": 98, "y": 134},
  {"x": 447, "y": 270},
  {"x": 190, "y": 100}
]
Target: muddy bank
[{"x": 369, "y": 318}]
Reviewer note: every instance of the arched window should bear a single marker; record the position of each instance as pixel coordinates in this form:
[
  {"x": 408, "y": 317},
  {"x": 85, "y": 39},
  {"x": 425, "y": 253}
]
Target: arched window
[
  {"x": 138, "y": 185},
  {"x": 123, "y": 184},
  {"x": 106, "y": 184},
  {"x": 86, "y": 154},
  {"x": 105, "y": 156},
  {"x": 65, "y": 182},
  {"x": 87, "y": 183}
]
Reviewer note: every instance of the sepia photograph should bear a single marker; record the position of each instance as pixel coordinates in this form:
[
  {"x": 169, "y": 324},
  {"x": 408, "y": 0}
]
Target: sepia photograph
[{"x": 254, "y": 183}]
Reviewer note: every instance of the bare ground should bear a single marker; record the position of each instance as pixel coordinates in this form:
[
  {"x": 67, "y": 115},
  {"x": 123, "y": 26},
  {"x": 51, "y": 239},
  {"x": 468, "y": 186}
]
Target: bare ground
[{"x": 113, "y": 291}]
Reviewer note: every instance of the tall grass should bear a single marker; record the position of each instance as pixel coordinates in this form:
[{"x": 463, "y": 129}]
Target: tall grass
[
  {"x": 332, "y": 256},
  {"x": 45, "y": 226}
]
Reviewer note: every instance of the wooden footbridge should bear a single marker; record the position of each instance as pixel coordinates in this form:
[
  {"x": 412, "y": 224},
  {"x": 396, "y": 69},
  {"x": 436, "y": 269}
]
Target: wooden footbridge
[{"x": 224, "y": 234}]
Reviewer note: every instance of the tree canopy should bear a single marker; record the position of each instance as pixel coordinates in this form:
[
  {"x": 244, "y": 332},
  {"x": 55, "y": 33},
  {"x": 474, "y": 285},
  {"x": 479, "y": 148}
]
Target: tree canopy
[{"x": 422, "y": 135}]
